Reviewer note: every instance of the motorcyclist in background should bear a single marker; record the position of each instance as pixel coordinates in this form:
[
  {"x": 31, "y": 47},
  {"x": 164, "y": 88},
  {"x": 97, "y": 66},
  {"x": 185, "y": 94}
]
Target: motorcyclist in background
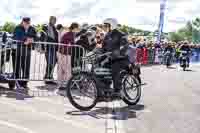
[
  {"x": 185, "y": 47},
  {"x": 113, "y": 41},
  {"x": 169, "y": 49}
]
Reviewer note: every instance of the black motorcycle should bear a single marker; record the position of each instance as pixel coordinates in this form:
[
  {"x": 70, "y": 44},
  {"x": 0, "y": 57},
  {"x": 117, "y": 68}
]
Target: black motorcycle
[{"x": 93, "y": 83}]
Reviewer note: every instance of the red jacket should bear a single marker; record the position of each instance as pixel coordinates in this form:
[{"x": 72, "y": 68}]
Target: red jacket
[
  {"x": 67, "y": 39},
  {"x": 145, "y": 56}
]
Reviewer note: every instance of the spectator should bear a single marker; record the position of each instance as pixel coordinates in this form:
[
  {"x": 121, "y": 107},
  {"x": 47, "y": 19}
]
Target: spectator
[
  {"x": 61, "y": 31},
  {"x": 139, "y": 50},
  {"x": 26, "y": 34},
  {"x": 50, "y": 53},
  {"x": 66, "y": 54},
  {"x": 132, "y": 53},
  {"x": 4, "y": 38},
  {"x": 99, "y": 38},
  {"x": 133, "y": 41}
]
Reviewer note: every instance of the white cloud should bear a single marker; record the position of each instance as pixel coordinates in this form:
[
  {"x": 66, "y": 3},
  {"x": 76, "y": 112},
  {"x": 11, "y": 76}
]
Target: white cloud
[{"x": 138, "y": 13}]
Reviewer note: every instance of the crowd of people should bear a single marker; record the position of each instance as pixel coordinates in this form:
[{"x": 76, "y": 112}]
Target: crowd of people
[
  {"x": 98, "y": 37},
  {"x": 153, "y": 53}
]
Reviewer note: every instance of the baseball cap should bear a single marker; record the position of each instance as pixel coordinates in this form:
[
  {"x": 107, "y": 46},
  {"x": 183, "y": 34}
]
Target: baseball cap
[{"x": 26, "y": 19}]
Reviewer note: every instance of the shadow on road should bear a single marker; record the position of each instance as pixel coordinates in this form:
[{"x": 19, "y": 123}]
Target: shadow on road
[
  {"x": 170, "y": 67},
  {"x": 15, "y": 94},
  {"x": 47, "y": 87},
  {"x": 189, "y": 70},
  {"x": 7, "y": 92},
  {"x": 122, "y": 113}
]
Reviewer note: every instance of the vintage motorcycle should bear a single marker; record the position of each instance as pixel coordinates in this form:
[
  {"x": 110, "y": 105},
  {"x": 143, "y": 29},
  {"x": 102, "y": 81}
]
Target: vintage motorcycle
[{"x": 92, "y": 83}]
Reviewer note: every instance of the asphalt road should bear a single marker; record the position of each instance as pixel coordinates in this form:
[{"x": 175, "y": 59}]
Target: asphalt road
[{"x": 170, "y": 103}]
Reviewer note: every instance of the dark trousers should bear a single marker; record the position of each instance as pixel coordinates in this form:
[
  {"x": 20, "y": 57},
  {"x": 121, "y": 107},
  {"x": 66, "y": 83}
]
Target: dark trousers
[
  {"x": 51, "y": 59},
  {"x": 21, "y": 59},
  {"x": 117, "y": 66}
]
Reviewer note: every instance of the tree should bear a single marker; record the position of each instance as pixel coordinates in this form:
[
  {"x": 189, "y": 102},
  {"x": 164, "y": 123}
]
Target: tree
[
  {"x": 175, "y": 37},
  {"x": 195, "y": 30},
  {"x": 38, "y": 27},
  {"x": 188, "y": 32},
  {"x": 9, "y": 27},
  {"x": 1, "y": 28},
  {"x": 131, "y": 30}
]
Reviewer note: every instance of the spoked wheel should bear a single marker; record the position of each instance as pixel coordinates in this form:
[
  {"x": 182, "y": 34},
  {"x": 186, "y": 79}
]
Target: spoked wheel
[
  {"x": 184, "y": 68},
  {"x": 131, "y": 89},
  {"x": 82, "y": 92}
]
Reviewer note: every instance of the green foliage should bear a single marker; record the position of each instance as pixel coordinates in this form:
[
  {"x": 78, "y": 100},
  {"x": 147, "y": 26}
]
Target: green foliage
[
  {"x": 190, "y": 32},
  {"x": 38, "y": 28},
  {"x": 131, "y": 30},
  {"x": 1, "y": 28},
  {"x": 175, "y": 37},
  {"x": 9, "y": 27}
]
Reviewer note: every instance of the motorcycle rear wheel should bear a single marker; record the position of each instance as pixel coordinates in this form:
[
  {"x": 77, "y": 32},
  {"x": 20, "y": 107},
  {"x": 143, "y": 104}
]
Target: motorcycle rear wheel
[{"x": 135, "y": 85}]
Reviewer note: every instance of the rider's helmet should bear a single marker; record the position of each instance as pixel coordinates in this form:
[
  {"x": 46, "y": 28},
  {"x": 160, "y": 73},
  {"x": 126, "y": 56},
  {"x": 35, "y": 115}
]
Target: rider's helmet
[{"x": 112, "y": 22}]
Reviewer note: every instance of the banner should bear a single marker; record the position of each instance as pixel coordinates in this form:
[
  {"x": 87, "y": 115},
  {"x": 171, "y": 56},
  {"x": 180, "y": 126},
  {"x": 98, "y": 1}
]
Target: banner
[{"x": 161, "y": 21}]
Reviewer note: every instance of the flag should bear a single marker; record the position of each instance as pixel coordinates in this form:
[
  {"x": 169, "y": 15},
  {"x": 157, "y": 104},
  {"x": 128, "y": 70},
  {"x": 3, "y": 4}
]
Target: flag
[{"x": 161, "y": 21}]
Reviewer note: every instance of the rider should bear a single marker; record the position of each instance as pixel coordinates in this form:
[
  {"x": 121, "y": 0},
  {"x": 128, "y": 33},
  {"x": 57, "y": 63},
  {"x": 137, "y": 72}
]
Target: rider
[
  {"x": 169, "y": 48},
  {"x": 185, "y": 47},
  {"x": 113, "y": 41}
]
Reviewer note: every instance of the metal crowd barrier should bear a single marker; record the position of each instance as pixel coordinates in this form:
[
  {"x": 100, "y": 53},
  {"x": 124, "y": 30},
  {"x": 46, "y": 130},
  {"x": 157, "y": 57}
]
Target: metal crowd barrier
[
  {"x": 45, "y": 61},
  {"x": 39, "y": 61}
]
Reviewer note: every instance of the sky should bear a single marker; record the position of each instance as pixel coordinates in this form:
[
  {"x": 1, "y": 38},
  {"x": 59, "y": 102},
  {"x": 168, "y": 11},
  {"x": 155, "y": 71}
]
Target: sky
[{"x": 143, "y": 14}]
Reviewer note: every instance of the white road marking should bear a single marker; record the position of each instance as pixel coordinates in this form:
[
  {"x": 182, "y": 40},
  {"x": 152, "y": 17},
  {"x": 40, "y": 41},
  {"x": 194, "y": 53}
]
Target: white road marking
[
  {"x": 113, "y": 125},
  {"x": 17, "y": 127},
  {"x": 52, "y": 116},
  {"x": 119, "y": 123},
  {"x": 110, "y": 127}
]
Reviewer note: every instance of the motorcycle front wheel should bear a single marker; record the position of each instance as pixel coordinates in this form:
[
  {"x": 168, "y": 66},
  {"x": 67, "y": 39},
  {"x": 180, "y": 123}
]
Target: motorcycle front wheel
[{"x": 82, "y": 91}]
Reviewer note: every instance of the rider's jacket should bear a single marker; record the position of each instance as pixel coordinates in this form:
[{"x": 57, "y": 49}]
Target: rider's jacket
[{"x": 113, "y": 41}]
